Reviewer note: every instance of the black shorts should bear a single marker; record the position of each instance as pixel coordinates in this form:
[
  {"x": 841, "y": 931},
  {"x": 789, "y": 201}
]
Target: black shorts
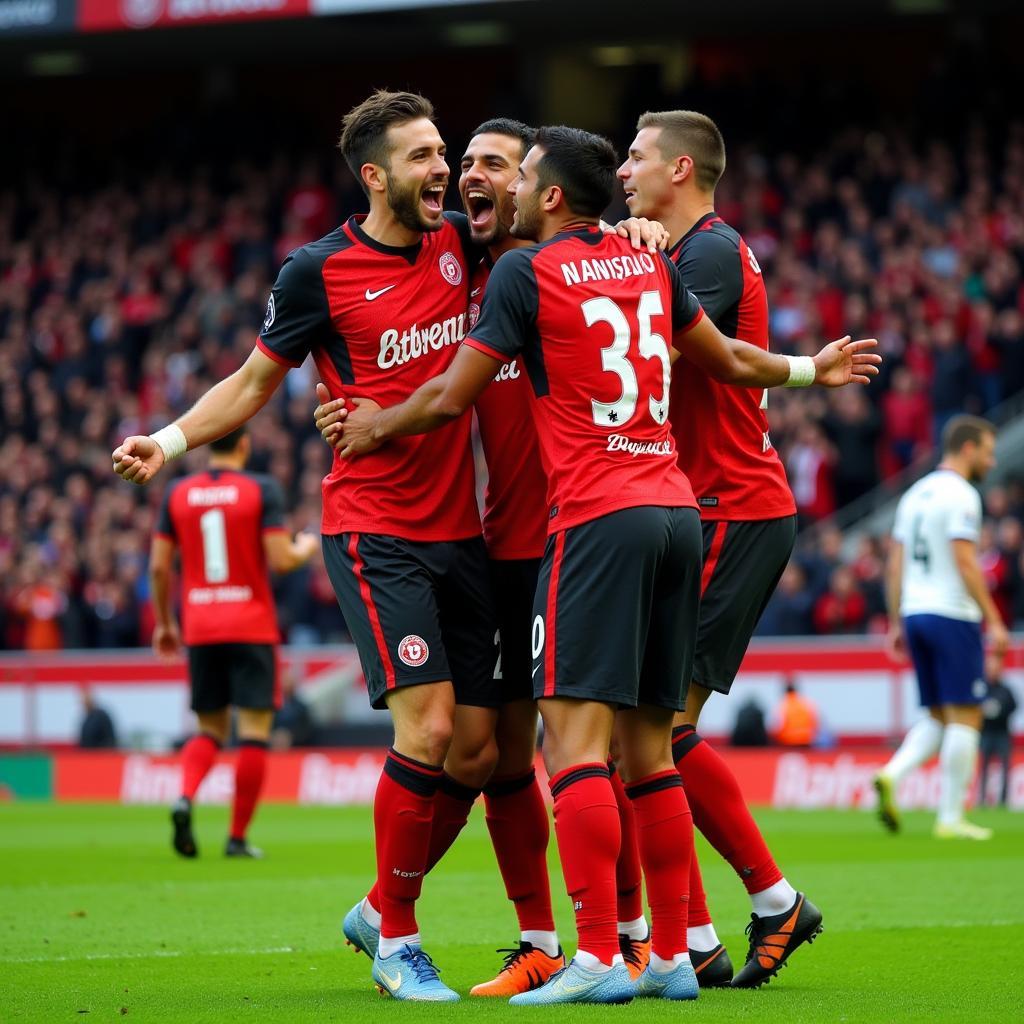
[
  {"x": 743, "y": 563},
  {"x": 514, "y": 584},
  {"x": 615, "y": 617},
  {"x": 418, "y": 612},
  {"x": 242, "y": 675}
]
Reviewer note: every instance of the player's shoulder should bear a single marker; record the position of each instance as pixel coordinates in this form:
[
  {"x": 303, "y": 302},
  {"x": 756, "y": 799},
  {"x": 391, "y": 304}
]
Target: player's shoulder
[{"x": 709, "y": 239}]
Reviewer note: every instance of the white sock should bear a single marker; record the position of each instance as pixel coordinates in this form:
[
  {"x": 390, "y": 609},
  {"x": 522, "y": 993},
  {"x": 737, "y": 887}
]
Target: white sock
[
  {"x": 388, "y": 947},
  {"x": 773, "y": 900},
  {"x": 369, "y": 915},
  {"x": 702, "y": 937},
  {"x": 957, "y": 759},
  {"x": 919, "y": 745},
  {"x": 660, "y": 966},
  {"x": 593, "y": 964},
  {"x": 637, "y": 929},
  {"x": 546, "y": 941}
]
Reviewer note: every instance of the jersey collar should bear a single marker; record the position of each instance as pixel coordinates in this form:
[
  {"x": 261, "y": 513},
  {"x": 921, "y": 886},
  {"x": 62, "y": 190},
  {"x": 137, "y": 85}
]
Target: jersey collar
[
  {"x": 354, "y": 226},
  {"x": 706, "y": 221}
]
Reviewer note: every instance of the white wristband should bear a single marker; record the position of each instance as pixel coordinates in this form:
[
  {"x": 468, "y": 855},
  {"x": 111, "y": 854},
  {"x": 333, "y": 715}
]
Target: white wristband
[
  {"x": 801, "y": 372},
  {"x": 171, "y": 440}
]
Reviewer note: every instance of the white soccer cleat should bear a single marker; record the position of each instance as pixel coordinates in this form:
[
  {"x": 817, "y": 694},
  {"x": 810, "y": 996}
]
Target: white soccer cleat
[{"x": 962, "y": 830}]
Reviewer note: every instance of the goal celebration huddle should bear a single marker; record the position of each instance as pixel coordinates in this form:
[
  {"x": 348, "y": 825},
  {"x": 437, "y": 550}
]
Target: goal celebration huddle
[{"x": 636, "y": 520}]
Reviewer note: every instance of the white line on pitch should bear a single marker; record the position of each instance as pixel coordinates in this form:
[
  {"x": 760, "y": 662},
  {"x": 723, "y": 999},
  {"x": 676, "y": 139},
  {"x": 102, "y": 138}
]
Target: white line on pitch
[{"x": 156, "y": 953}]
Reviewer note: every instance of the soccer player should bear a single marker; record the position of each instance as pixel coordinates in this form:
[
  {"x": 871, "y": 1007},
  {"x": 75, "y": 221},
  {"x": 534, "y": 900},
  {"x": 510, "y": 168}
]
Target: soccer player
[
  {"x": 381, "y": 303},
  {"x": 748, "y": 518},
  {"x": 937, "y": 599},
  {"x": 615, "y": 610},
  {"x": 515, "y": 529},
  {"x": 228, "y": 526}
]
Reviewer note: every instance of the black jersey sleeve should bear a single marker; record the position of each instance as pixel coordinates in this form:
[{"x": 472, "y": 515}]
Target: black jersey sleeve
[
  {"x": 298, "y": 316},
  {"x": 508, "y": 316},
  {"x": 710, "y": 267},
  {"x": 164, "y": 523},
  {"x": 273, "y": 503},
  {"x": 686, "y": 310}
]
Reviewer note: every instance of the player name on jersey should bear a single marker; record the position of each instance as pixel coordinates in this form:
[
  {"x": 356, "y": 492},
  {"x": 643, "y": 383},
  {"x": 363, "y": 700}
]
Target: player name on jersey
[{"x": 614, "y": 268}]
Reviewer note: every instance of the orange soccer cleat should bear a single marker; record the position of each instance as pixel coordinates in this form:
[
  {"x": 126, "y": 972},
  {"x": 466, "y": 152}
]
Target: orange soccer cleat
[
  {"x": 526, "y": 968},
  {"x": 636, "y": 953}
]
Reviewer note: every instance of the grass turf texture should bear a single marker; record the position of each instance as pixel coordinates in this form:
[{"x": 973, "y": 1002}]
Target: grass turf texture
[{"x": 99, "y": 920}]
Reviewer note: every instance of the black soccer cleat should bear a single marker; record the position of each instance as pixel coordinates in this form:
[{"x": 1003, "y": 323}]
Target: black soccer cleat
[
  {"x": 181, "y": 818},
  {"x": 773, "y": 939},
  {"x": 241, "y": 848},
  {"x": 713, "y": 968}
]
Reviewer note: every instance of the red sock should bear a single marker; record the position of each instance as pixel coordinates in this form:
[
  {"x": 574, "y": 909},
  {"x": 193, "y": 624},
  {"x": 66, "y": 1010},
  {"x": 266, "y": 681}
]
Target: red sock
[
  {"x": 699, "y": 913},
  {"x": 665, "y": 833},
  {"x": 518, "y": 822},
  {"x": 403, "y": 812},
  {"x": 628, "y": 876},
  {"x": 452, "y": 807},
  {"x": 249, "y": 772},
  {"x": 197, "y": 757},
  {"x": 587, "y": 827},
  {"x": 720, "y": 812}
]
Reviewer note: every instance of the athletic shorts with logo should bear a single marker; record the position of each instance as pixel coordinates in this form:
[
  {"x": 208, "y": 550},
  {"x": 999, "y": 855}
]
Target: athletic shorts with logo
[
  {"x": 615, "y": 616},
  {"x": 743, "y": 563},
  {"x": 514, "y": 585},
  {"x": 948, "y": 658},
  {"x": 419, "y": 612},
  {"x": 242, "y": 675}
]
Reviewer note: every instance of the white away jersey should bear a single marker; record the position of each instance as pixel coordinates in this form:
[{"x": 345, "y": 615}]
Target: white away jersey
[{"x": 938, "y": 509}]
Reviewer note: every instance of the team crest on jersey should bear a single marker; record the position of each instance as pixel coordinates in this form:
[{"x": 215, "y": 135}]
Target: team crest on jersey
[
  {"x": 474, "y": 314},
  {"x": 451, "y": 269},
  {"x": 268, "y": 320},
  {"x": 413, "y": 651}
]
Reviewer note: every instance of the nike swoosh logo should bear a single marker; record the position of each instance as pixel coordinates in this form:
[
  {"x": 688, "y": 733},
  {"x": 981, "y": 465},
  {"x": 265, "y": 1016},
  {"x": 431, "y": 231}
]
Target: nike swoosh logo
[
  {"x": 394, "y": 984},
  {"x": 475, "y": 291},
  {"x": 370, "y": 296}
]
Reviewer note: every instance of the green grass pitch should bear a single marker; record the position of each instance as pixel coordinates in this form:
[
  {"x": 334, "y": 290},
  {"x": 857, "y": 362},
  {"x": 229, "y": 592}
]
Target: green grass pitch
[{"x": 100, "y": 921}]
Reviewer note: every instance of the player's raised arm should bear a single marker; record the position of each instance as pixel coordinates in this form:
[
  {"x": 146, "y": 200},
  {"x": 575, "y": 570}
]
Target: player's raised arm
[
  {"x": 443, "y": 398},
  {"x": 225, "y": 407}
]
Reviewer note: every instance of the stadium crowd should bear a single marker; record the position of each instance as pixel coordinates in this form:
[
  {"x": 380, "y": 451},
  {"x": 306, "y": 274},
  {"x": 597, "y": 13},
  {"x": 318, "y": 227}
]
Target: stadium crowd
[{"x": 120, "y": 306}]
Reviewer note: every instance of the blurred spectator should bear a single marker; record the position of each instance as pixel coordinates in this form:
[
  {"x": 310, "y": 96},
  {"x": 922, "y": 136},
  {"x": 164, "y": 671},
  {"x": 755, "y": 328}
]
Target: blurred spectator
[
  {"x": 996, "y": 740},
  {"x": 853, "y": 428},
  {"x": 906, "y": 422},
  {"x": 749, "y": 729},
  {"x": 789, "y": 610},
  {"x": 842, "y": 608},
  {"x": 810, "y": 469},
  {"x": 97, "y": 729},
  {"x": 796, "y": 718}
]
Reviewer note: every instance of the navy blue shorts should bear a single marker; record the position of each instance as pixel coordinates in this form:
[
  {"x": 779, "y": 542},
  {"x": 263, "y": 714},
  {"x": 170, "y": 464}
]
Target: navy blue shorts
[{"x": 948, "y": 658}]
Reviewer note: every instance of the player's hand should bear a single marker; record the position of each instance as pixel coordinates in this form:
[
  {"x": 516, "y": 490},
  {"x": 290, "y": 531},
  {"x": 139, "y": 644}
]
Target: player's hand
[
  {"x": 326, "y": 417},
  {"x": 306, "y": 545},
  {"x": 846, "y": 362},
  {"x": 993, "y": 665},
  {"x": 896, "y": 644},
  {"x": 357, "y": 432},
  {"x": 167, "y": 642},
  {"x": 138, "y": 459},
  {"x": 643, "y": 233},
  {"x": 998, "y": 639}
]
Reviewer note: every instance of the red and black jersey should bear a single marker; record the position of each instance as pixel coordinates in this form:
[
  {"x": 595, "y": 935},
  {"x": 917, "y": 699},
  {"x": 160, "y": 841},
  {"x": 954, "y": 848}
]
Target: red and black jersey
[
  {"x": 515, "y": 502},
  {"x": 721, "y": 431},
  {"x": 218, "y": 519},
  {"x": 594, "y": 320},
  {"x": 380, "y": 321}
]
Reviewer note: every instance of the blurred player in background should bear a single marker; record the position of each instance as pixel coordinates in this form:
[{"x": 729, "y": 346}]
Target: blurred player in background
[
  {"x": 228, "y": 527},
  {"x": 748, "y": 519},
  {"x": 615, "y": 611},
  {"x": 937, "y": 599}
]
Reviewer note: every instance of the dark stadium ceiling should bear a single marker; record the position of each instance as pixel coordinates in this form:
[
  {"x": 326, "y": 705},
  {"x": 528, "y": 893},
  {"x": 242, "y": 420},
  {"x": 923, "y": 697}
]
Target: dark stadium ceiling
[{"x": 531, "y": 24}]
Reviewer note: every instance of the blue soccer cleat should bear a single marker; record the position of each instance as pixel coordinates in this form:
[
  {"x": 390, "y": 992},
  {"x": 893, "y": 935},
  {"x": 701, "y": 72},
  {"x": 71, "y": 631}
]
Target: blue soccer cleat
[
  {"x": 359, "y": 933},
  {"x": 679, "y": 983},
  {"x": 575, "y": 984},
  {"x": 410, "y": 974}
]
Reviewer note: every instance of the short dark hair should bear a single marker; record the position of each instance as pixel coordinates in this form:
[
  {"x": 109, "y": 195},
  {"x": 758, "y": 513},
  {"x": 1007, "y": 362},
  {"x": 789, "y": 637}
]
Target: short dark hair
[
  {"x": 962, "y": 429},
  {"x": 693, "y": 134},
  {"x": 364, "y": 128},
  {"x": 510, "y": 127},
  {"x": 581, "y": 164},
  {"x": 229, "y": 442}
]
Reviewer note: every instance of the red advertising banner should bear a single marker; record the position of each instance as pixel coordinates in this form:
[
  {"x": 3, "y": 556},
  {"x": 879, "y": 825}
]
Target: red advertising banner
[
  {"x": 806, "y": 780},
  {"x": 113, "y": 15}
]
